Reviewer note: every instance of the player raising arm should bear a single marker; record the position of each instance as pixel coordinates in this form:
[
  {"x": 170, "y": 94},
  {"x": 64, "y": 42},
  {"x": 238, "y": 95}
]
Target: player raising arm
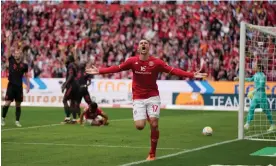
[
  {"x": 259, "y": 97},
  {"x": 17, "y": 70},
  {"x": 93, "y": 116},
  {"x": 146, "y": 100}
]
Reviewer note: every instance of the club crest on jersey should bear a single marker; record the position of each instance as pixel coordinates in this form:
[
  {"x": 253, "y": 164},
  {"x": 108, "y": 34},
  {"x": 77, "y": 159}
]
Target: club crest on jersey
[{"x": 151, "y": 63}]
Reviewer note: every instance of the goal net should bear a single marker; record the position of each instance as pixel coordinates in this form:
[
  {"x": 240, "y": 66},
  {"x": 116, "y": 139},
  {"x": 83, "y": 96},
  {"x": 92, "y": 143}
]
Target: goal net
[{"x": 257, "y": 115}]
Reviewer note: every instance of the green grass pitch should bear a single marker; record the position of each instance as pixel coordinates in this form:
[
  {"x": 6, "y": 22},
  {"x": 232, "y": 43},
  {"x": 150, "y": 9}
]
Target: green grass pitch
[{"x": 38, "y": 143}]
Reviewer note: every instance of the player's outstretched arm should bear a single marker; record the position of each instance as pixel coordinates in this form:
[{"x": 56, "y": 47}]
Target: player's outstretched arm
[
  {"x": 28, "y": 82},
  {"x": 74, "y": 50},
  {"x": 8, "y": 43},
  {"x": 200, "y": 75},
  {"x": 92, "y": 70},
  {"x": 249, "y": 79},
  {"x": 112, "y": 69},
  {"x": 178, "y": 72},
  {"x": 63, "y": 55},
  {"x": 105, "y": 116}
]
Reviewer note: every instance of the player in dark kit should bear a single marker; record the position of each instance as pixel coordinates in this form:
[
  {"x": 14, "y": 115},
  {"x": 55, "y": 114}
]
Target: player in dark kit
[
  {"x": 17, "y": 70},
  {"x": 94, "y": 116},
  {"x": 72, "y": 91},
  {"x": 84, "y": 80}
]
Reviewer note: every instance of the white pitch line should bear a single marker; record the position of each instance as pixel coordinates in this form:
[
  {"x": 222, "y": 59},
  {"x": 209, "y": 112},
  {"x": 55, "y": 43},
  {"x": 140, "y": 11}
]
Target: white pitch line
[
  {"x": 31, "y": 127},
  {"x": 181, "y": 152},
  {"x": 233, "y": 165},
  {"x": 259, "y": 139},
  {"x": 50, "y": 125},
  {"x": 273, "y": 155},
  {"x": 90, "y": 145}
]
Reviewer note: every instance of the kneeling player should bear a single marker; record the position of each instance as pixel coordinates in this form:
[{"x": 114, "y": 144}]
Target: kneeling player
[{"x": 94, "y": 116}]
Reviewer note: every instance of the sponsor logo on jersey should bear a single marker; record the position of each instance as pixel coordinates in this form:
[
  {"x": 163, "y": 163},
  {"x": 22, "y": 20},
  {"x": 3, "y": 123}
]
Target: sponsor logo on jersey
[{"x": 143, "y": 68}]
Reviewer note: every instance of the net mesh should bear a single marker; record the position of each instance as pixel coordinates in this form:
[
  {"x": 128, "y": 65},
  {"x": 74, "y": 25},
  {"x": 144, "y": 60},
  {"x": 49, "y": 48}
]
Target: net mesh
[{"x": 260, "y": 52}]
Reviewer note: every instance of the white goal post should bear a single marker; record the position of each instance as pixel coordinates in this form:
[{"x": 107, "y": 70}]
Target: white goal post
[{"x": 257, "y": 48}]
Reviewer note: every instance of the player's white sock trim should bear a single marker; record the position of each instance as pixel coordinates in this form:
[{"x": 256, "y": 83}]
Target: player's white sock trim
[{"x": 3, "y": 122}]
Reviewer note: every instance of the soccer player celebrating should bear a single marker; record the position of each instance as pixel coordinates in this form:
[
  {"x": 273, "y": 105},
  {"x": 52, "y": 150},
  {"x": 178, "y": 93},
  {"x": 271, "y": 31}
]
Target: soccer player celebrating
[
  {"x": 94, "y": 116},
  {"x": 259, "y": 97},
  {"x": 146, "y": 100},
  {"x": 17, "y": 69}
]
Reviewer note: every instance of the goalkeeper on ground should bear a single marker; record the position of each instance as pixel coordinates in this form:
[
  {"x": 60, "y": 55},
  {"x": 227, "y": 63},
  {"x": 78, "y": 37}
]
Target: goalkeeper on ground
[{"x": 258, "y": 98}]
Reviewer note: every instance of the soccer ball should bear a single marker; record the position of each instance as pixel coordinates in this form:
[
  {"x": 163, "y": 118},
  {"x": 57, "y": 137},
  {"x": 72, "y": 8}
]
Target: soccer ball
[{"x": 208, "y": 131}]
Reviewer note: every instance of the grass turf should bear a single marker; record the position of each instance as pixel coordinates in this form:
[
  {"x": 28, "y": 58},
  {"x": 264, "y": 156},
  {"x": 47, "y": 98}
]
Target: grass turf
[{"x": 121, "y": 143}]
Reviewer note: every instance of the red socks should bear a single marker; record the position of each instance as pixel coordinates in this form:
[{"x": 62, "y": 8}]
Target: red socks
[{"x": 154, "y": 140}]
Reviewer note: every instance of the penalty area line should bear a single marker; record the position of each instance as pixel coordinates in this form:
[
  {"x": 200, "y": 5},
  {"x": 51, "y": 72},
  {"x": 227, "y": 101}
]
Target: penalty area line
[
  {"x": 90, "y": 145},
  {"x": 182, "y": 152},
  {"x": 51, "y": 125}
]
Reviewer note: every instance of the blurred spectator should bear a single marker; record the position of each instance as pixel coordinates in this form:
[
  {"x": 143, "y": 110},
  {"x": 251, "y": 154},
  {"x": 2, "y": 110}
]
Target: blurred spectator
[{"x": 106, "y": 33}]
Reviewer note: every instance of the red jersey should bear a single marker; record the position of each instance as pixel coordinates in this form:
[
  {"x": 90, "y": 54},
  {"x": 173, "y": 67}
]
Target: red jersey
[
  {"x": 89, "y": 115},
  {"x": 145, "y": 74}
]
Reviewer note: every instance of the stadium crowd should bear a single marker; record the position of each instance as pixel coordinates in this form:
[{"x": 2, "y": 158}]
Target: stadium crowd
[{"x": 182, "y": 34}]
